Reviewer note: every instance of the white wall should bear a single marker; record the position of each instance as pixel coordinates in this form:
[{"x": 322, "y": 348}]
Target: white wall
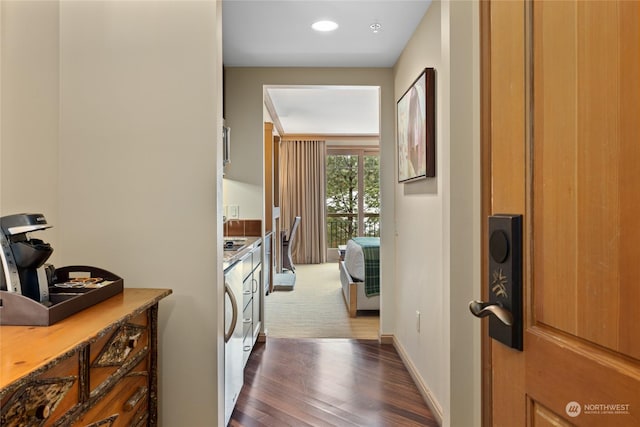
[
  {"x": 29, "y": 112},
  {"x": 420, "y": 227},
  {"x": 464, "y": 212},
  {"x": 136, "y": 176},
  {"x": 244, "y": 113},
  {"x": 438, "y": 219},
  {"x": 139, "y": 147}
]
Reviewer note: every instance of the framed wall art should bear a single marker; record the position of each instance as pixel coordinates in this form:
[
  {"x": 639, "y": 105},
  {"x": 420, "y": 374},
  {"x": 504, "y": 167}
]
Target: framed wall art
[{"x": 416, "y": 129}]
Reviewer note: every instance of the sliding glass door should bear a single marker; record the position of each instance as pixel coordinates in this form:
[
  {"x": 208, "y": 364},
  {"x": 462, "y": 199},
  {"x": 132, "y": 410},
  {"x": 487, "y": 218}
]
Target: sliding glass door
[{"x": 353, "y": 194}]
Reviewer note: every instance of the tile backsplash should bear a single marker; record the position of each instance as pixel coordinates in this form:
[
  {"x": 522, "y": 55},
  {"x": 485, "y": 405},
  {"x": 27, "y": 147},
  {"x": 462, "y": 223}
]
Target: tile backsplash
[{"x": 243, "y": 227}]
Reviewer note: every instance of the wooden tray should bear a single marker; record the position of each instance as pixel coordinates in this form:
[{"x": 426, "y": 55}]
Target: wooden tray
[{"x": 18, "y": 310}]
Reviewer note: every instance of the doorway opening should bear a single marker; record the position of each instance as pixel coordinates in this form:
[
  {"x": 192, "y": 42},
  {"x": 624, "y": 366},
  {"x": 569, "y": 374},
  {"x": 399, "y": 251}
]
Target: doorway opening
[{"x": 346, "y": 120}]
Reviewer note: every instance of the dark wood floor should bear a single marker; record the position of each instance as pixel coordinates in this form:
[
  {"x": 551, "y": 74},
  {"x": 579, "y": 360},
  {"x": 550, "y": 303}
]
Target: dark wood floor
[{"x": 328, "y": 382}]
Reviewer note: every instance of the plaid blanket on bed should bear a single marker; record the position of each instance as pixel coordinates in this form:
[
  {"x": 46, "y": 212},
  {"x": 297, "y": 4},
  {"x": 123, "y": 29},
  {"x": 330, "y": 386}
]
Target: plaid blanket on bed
[{"x": 371, "y": 251}]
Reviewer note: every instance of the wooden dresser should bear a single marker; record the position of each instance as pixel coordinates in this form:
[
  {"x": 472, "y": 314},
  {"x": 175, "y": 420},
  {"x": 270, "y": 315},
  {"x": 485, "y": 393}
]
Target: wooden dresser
[{"x": 95, "y": 368}]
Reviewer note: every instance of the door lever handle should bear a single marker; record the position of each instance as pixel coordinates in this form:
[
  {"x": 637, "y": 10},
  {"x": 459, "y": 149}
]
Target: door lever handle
[{"x": 483, "y": 309}]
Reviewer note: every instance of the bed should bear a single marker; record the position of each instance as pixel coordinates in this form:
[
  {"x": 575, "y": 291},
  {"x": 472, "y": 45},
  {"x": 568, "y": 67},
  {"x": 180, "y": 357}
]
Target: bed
[{"x": 360, "y": 275}]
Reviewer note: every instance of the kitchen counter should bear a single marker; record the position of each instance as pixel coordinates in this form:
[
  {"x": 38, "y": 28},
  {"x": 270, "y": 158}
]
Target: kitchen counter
[{"x": 230, "y": 257}]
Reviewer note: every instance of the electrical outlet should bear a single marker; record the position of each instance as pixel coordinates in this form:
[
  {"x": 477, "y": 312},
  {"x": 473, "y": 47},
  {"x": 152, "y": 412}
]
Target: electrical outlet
[
  {"x": 417, "y": 320},
  {"x": 233, "y": 211}
]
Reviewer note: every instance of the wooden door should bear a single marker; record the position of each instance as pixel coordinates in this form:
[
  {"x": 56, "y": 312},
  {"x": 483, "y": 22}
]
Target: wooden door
[{"x": 561, "y": 145}]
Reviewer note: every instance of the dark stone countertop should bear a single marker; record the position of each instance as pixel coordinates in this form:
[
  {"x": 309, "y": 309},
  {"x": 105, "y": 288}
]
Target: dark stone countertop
[{"x": 248, "y": 243}]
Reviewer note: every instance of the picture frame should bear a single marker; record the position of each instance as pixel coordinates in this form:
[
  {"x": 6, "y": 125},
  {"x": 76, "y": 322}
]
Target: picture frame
[{"x": 416, "y": 129}]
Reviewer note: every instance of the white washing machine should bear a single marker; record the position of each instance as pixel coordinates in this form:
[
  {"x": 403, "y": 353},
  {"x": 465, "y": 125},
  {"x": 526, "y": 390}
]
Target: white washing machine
[{"x": 233, "y": 352}]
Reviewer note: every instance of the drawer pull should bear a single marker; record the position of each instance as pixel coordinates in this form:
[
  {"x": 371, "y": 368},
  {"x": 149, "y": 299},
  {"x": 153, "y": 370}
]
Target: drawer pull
[
  {"x": 247, "y": 348},
  {"x": 133, "y": 400},
  {"x": 40, "y": 412},
  {"x": 119, "y": 347},
  {"x": 248, "y": 320},
  {"x": 133, "y": 342}
]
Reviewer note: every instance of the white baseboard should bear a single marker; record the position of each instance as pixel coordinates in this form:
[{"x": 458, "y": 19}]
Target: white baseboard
[{"x": 428, "y": 397}]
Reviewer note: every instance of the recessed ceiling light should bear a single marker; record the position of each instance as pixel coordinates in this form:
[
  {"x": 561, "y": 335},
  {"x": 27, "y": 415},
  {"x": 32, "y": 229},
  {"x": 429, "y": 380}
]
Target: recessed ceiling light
[{"x": 324, "y": 26}]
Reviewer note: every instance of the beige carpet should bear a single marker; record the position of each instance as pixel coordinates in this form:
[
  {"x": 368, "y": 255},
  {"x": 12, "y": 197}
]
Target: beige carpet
[{"x": 315, "y": 308}]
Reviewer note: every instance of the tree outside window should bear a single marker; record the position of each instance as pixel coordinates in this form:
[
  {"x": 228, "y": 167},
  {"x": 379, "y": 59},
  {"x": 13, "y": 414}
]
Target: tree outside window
[{"x": 353, "y": 195}]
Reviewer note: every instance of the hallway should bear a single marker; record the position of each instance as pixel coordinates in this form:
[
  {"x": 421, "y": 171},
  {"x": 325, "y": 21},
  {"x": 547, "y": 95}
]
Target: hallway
[{"x": 328, "y": 382}]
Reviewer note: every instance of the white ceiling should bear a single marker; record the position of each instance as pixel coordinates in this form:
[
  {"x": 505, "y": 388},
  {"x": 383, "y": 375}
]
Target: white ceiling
[
  {"x": 326, "y": 110},
  {"x": 277, "y": 33}
]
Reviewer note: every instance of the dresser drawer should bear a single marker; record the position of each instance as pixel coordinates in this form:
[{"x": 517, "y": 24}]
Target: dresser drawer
[
  {"x": 42, "y": 399},
  {"x": 127, "y": 404},
  {"x": 117, "y": 350}
]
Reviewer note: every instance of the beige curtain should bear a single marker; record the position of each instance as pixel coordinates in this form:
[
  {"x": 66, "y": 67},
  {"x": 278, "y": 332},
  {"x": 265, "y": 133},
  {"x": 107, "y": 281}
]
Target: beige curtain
[{"x": 302, "y": 193}]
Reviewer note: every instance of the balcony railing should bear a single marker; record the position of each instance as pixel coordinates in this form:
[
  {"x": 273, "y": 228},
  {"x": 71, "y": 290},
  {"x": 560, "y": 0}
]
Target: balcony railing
[{"x": 342, "y": 227}]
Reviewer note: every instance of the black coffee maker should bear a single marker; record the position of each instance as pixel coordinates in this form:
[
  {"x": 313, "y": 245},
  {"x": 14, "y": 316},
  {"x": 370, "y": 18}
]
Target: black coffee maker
[{"x": 23, "y": 259}]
